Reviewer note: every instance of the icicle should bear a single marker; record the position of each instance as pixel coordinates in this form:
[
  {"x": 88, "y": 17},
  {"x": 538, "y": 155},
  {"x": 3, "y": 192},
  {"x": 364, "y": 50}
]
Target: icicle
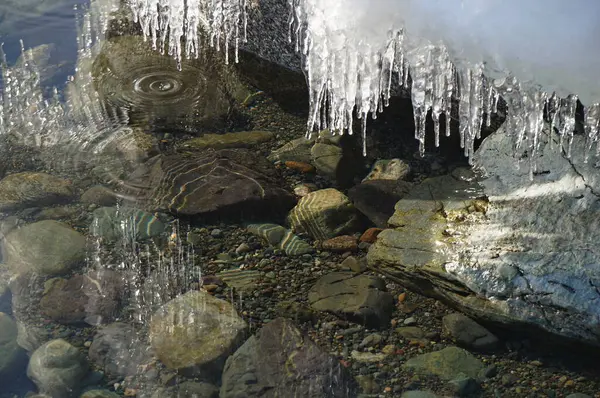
[
  {"x": 181, "y": 19},
  {"x": 592, "y": 129}
]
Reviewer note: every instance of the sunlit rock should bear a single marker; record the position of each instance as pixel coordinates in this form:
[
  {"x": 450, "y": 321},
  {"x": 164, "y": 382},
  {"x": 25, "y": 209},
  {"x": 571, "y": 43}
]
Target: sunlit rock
[
  {"x": 388, "y": 169},
  {"x": 195, "y": 333},
  {"x": 45, "y": 247},
  {"x": 506, "y": 249},
  {"x": 58, "y": 368},
  {"x": 284, "y": 361},
  {"x": 324, "y": 214},
  {"x": 33, "y": 189}
]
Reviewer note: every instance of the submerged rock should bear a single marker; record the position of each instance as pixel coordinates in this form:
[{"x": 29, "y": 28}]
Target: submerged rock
[
  {"x": 11, "y": 354},
  {"x": 58, "y": 368},
  {"x": 114, "y": 223},
  {"x": 195, "y": 333},
  {"x": 226, "y": 183},
  {"x": 45, "y": 247},
  {"x": 25, "y": 189},
  {"x": 507, "y": 249},
  {"x": 282, "y": 238},
  {"x": 284, "y": 362},
  {"x": 241, "y": 139}
]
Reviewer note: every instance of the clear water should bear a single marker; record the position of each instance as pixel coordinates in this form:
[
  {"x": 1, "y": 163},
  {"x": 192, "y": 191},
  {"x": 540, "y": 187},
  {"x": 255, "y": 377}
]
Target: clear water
[{"x": 89, "y": 102}]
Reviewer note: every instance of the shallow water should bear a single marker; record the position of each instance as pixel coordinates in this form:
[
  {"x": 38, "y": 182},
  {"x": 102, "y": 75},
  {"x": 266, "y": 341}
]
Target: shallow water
[{"x": 138, "y": 212}]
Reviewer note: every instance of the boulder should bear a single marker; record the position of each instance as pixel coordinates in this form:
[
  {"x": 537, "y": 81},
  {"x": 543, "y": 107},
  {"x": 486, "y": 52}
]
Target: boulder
[{"x": 502, "y": 247}]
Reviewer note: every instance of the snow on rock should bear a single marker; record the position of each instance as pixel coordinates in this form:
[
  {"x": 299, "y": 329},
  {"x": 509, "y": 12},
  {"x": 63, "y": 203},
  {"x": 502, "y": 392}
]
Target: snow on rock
[{"x": 503, "y": 248}]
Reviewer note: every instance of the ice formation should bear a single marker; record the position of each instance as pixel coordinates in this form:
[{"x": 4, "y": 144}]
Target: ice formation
[
  {"x": 465, "y": 51},
  {"x": 221, "y": 20}
]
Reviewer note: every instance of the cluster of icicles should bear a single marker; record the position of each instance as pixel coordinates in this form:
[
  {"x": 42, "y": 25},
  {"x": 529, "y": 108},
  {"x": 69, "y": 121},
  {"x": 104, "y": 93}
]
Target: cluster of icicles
[
  {"x": 181, "y": 19},
  {"x": 355, "y": 77}
]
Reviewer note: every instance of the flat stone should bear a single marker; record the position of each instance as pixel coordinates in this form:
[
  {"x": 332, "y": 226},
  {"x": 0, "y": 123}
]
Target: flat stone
[
  {"x": 448, "y": 364},
  {"x": 361, "y": 299},
  {"x": 227, "y": 183},
  {"x": 26, "y": 189},
  {"x": 376, "y": 199},
  {"x": 240, "y": 139}
]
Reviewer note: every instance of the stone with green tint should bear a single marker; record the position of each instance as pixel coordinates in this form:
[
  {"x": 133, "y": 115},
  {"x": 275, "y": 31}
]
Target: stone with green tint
[
  {"x": 448, "y": 364},
  {"x": 242, "y": 139},
  {"x": 114, "y": 223},
  {"x": 45, "y": 247}
]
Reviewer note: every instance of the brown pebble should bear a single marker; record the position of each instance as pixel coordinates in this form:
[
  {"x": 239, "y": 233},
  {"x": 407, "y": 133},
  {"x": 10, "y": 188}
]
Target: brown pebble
[
  {"x": 370, "y": 235},
  {"x": 210, "y": 288},
  {"x": 300, "y": 166},
  {"x": 130, "y": 392},
  {"x": 401, "y": 297},
  {"x": 387, "y": 389},
  {"x": 342, "y": 243}
]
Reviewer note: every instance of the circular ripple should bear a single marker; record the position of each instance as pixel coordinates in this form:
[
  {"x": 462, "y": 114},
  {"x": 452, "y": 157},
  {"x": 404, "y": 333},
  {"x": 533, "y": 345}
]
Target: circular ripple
[{"x": 129, "y": 74}]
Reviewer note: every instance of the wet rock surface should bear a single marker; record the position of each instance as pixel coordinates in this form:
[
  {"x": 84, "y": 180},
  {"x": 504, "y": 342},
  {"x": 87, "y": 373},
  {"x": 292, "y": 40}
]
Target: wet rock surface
[
  {"x": 224, "y": 183},
  {"x": 281, "y": 361}
]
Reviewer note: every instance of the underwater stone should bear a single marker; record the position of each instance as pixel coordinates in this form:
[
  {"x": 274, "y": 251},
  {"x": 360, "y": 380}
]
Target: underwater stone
[
  {"x": 228, "y": 183},
  {"x": 20, "y": 190},
  {"x": 388, "y": 169},
  {"x": 113, "y": 223},
  {"x": 241, "y": 139},
  {"x": 58, "y": 368},
  {"x": 282, "y": 238},
  {"x": 45, "y": 247},
  {"x": 195, "y": 333},
  {"x": 10, "y": 352}
]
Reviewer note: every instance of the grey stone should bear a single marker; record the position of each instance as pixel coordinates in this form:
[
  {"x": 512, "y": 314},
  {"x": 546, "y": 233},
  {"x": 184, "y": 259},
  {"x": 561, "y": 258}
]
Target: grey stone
[
  {"x": 25, "y": 189},
  {"x": 361, "y": 298},
  {"x": 282, "y": 360},
  {"x": 11, "y": 355},
  {"x": 115, "y": 223},
  {"x": 448, "y": 364},
  {"x": 45, "y": 247},
  {"x": 57, "y": 368},
  {"x": 468, "y": 333}
]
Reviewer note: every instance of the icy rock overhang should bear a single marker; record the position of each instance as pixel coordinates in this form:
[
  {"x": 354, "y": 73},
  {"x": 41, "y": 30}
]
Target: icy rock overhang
[{"x": 471, "y": 51}]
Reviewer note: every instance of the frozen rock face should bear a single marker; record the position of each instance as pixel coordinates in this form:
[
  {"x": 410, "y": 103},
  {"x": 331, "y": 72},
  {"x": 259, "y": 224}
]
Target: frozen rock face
[{"x": 505, "y": 249}]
